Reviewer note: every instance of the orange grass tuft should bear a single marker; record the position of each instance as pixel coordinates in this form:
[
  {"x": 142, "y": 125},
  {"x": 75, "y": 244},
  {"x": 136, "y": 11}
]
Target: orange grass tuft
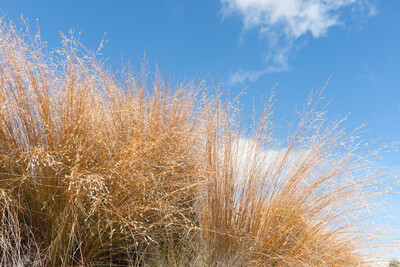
[{"x": 99, "y": 169}]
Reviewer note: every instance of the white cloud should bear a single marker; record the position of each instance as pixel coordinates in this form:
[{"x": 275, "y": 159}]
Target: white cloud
[
  {"x": 296, "y": 17},
  {"x": 278, "y": 62},
  {"x": 282, "y": 22},
  {"x": 241, "y": 76},
  {"x": 250, "y": 159}
]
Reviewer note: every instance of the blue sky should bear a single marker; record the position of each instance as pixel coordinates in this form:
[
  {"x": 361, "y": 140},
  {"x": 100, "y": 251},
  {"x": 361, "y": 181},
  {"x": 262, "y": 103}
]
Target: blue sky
[{"x": 252, "y": 45}]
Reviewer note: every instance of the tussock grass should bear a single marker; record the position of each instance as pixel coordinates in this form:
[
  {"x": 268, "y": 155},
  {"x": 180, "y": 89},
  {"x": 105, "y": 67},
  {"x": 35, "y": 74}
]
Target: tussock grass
[{"x": 104, "y": 169}]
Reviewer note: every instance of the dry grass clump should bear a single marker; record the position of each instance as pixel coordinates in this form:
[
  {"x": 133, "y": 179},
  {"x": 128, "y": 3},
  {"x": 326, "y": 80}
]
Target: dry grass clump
[
  {"x": 98, "y": 170},
  {"x": 299, "y": 201},
  {"x": 102, "y": 169}
]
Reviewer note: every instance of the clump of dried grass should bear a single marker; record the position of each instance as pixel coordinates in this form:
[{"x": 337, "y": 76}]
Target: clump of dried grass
[
  {"x": 297, "y": 201},
  {"x": 99, "y": 169}
]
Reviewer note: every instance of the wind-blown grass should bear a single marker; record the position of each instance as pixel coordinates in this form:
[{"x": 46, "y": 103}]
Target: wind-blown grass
[{"x": 111, "y": 169}]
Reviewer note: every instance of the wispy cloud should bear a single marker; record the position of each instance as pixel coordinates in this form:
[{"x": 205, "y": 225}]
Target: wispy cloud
[
  {"x": 240, "y": 76},
  {"x": 277, "y": 60},
  {"x": 282, "y": 22}
]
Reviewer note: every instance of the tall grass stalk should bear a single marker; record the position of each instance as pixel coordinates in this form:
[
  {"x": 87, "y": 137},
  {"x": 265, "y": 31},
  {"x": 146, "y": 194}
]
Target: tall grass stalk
[{"x": 98, "y": 168}]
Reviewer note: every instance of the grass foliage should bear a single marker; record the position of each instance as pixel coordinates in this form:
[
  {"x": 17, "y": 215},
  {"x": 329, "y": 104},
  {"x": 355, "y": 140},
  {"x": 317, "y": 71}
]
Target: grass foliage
[{"x": 105, "y": 169}]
